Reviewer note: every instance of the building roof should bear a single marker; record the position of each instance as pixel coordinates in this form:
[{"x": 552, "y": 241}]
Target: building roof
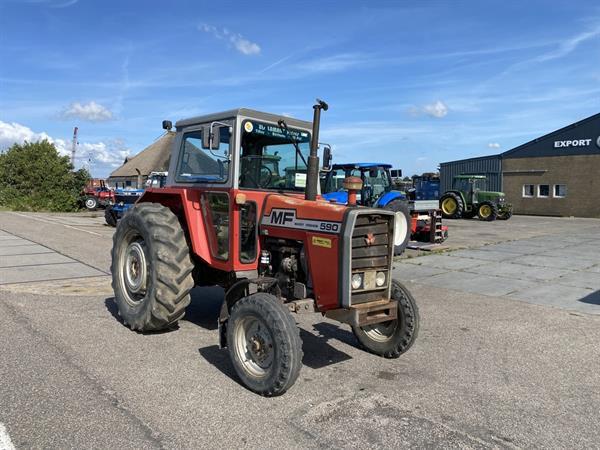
[{"x": 154, "y": 158}]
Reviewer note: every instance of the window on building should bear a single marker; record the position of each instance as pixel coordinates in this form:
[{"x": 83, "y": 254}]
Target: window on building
[
  {"x": 560, "y": 190},
  {"x": 528, "y": 190},
  {"x": 544, "y": 190}
]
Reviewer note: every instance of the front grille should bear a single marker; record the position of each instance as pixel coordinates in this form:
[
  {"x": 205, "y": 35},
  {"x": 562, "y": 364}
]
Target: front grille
[
  {"x": 371, "y": 242},
  {"x": 371, "y": 250}
]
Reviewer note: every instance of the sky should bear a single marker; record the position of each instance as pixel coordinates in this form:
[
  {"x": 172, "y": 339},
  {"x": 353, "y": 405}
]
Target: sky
[{"x": 412, "y": 83}]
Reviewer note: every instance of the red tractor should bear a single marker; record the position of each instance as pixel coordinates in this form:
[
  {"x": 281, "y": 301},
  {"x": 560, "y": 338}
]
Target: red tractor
[
  {"x": 97, "y": 194},
  {"x": 229, "y": 217}
]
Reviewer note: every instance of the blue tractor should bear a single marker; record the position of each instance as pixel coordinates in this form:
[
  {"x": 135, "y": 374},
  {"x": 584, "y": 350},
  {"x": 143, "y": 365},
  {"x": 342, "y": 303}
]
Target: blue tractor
[
  {"x": 126, "y": 198},
  {"x": 377, "y": 192}
]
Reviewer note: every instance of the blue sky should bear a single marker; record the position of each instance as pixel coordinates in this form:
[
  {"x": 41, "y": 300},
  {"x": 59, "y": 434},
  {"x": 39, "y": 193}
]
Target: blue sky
[{"x": 413, "y": 83}]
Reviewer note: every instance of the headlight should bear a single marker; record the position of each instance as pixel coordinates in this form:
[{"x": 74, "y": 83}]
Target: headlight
[
  {"x": 501, "y": 200},
  {"x": 380, "y": 279},
  {"x": 357, "y": 281},
  {"x": 400, "y": 228}
]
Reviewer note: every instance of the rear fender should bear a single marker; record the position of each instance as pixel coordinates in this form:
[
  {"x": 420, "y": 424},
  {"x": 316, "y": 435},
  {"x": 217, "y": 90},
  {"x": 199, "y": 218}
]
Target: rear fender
[
  {"x": 185, "y": 204},
  {"x": 388, "y": 197}
]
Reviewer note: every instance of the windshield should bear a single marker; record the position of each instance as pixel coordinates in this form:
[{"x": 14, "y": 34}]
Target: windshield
[
  {"x": 374, "y": 179},
  {"x": 269, "y": 160}
]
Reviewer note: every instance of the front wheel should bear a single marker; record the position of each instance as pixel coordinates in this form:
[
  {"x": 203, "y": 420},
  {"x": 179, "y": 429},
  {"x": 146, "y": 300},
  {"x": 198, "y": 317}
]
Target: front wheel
[
  {"x": 264, "y": 344},
  {"x": 487, "y": 211},
  {"x": 392, "y": 338},
  {"x": 91, "y": 203},
  {"x": 505, "y": 215},
  {"x": 110, "y": 216}
]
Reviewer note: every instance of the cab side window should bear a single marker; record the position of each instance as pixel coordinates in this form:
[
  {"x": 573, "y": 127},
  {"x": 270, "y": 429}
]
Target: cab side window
[{"x": 202, "y": 165}]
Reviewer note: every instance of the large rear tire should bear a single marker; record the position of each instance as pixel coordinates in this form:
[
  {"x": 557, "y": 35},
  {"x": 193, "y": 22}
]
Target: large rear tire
[
  {"x": 264, "y": 344},
  {"x": 391, "y": 339},
  {"x": 452, "y": 206},
  {"x": 402, "y": 223},
  {"x": 151, "y": 268}
]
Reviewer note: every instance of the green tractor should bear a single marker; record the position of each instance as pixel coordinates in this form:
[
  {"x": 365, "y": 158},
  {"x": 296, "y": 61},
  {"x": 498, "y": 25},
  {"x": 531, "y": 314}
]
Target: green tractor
[{"x": 469, "y": 198}]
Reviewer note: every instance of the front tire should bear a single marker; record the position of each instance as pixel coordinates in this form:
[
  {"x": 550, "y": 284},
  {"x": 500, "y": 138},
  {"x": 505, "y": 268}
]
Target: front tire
[
  {"x": 264, "y": 344},
  {"x": 151, "y": 268},
  {"x": 393, "y": 338},
  {"x": 403, "y": 223},
  {"x": 505, "y": 215},
  {"x": 110, "y": 216},
  {"x": 487, "y": 211},
  {"x": 91, "y": 203}
]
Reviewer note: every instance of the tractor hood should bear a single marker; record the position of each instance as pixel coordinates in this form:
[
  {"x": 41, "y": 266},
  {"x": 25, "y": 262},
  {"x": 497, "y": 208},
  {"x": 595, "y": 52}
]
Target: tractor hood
[{"x": 491, "y": 196}]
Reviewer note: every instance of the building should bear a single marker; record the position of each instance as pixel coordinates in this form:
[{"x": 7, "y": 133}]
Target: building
[
  {"x": 553, "y": 175},
  {"x": 154, "y": 158}
]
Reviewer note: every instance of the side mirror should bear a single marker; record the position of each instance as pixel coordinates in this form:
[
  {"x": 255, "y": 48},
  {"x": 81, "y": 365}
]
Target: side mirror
[
  {"x": 211, "y": 141},
  {"x": 167, "y": 125},
  {"x": 327, "y": 158}
]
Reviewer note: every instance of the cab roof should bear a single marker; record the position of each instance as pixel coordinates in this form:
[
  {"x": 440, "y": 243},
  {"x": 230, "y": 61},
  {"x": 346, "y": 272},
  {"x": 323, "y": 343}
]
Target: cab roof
[
  {"x": 258, "y": 115},
  {"x": 361, "y": 165}
]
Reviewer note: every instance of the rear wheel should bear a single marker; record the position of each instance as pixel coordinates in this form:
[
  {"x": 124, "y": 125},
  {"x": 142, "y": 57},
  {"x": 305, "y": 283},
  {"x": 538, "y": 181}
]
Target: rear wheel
[
  {"x": 452, "y": 206},
  {"x": 264, "y": 344},
  {"x": 487, "y": 211},
  {"x": 392, "y": 338},
  {"x": 91, "y": 203},
  {"x": 402, "y": 225},
  {"x": 151, "y": 268},
  {"x": 110, "y": 216}
]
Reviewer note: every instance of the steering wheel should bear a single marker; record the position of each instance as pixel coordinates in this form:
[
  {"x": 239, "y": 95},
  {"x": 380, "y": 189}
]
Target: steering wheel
[{"x": 265, "y": 177}]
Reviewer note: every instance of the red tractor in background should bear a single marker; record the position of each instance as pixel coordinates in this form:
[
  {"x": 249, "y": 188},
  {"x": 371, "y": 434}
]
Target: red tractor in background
[
  {"x": 229, "y": 217},
  {"x": 97, "y": 194}
]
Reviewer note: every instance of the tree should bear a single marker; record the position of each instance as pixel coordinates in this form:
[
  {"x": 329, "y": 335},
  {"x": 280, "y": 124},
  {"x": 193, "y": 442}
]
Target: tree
[{"x": 34, "y": 177}]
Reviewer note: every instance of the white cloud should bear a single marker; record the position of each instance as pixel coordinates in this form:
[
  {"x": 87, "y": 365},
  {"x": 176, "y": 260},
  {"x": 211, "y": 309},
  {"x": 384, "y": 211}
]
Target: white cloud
[
  {"x": 493, "y": 145},
  {"x": 91, "y": 111},
  {"x": 437, "y": 109},
  {"x": 240, "y": 43},
  {"x": 99, "y": 155},
  {"x": 568, "y": 45}
]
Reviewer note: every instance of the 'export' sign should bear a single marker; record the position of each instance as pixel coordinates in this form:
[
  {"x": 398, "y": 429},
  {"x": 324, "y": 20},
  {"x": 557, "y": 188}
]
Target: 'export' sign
[{"x": 573, "y": 143}]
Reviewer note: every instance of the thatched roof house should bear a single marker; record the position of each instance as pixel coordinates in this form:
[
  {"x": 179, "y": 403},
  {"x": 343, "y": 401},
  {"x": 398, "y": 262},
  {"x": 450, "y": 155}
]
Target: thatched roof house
[{"x": 135, "y": 170}]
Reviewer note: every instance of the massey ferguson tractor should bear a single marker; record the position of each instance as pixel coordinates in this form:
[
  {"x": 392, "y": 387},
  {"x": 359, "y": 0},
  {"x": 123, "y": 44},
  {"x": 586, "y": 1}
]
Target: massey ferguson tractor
[{"x": 276, "y": 247}]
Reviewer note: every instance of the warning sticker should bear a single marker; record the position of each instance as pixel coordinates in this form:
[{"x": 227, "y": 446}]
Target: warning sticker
[{"x": 321, "y": 242}]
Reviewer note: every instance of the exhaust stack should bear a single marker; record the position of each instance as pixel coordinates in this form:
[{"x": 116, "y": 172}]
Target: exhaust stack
[{"x": 312, "y": 175}]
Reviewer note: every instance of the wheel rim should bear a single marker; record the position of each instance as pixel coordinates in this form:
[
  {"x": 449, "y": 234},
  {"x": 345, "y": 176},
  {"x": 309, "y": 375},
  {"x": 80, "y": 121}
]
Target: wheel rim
[
  {"x": 381, "y": 332},
  {"x": 449, "y": 205},
  {"x": 90, "y": 203},
  {"x": 401, "y": 228},
  {"x": 253, "y": 346},
  {"x": 135, "y": 271},
  {"x": 485, "y": 211}
]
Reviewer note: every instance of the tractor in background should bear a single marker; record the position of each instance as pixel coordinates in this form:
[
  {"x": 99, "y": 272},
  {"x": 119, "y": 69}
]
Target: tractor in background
[
  {"x": 269, "y": 240},
  {"x": 415, "y": 216},
  {"x": 124, "y": 199},
  {"x": 469, "y": 198},
  {"x": 96, "y": 195}
]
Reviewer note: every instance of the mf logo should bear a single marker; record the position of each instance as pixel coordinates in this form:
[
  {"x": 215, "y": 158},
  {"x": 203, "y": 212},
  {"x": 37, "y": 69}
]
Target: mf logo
[{"x": 281, "y": 217}]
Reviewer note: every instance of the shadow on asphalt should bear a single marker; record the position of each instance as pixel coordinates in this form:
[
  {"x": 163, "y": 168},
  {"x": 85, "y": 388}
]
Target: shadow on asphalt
[
  {"x": 219, "y": 358},
  {"x": 205, "y": 307},
  {"x": 317, "y": 352},
  {"x": 592, "y": 299}
]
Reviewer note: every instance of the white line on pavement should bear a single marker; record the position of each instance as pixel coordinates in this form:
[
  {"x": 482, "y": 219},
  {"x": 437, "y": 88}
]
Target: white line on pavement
[
  {"x": 56, "y": 223},
  {"x": 5, "y": 442}
]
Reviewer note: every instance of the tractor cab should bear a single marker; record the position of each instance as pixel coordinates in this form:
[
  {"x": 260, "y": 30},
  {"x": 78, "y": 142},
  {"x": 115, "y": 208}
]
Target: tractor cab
[{"x": 377, "y": 187}]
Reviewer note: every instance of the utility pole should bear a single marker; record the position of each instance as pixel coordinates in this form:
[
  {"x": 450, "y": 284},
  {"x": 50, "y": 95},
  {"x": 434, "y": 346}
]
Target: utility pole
[{"x": 74, "y": 147}]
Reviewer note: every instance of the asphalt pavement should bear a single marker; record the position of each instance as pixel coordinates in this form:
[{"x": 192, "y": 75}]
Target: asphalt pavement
[{"x": 489, "y": 370}]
